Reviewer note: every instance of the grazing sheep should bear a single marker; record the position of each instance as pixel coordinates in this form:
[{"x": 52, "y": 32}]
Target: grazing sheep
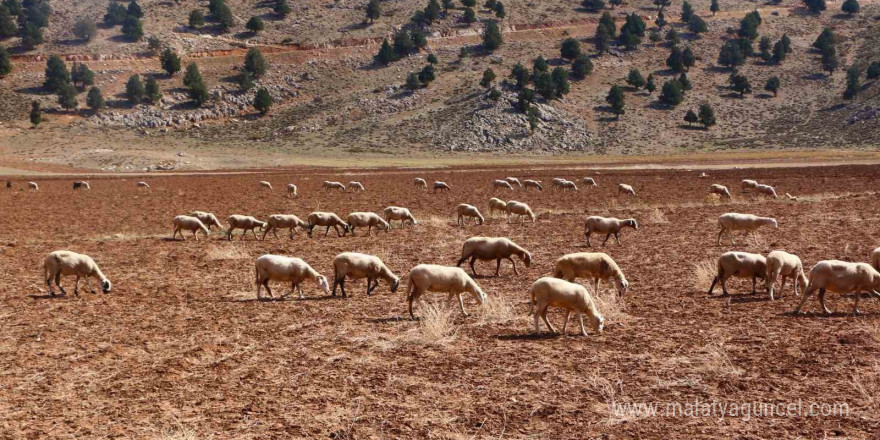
[
  {"x": 466, "y": 212},
  {"x": 32, "y": 186},
  {"x": 398, "y": 213},
  {"x": 742, "y": 265},
  {"x": 502, "y": 184},
  {"x": 81, "y": 185},
  {"x": 243, "y": 222},
  {"x": 557, "y": 182},
  {"x": 283, "y": 221},
  {"x": 875, "y": 259},
  {"x": 497, "y": 205},
  {"x": 721, "y": 190},
  {"x": 732, "y": 221},
  {"x": 186, "y": 223},
  {"x": 703, "y": 175},
  {"x": 607, "y": 226},
  {"x": 528, "y": 183},
  {"x": 143, "y": 185},
  {"x": 748, "y": 184},
  {"x": 514, "y": 181},
  {"x": 207, "y": 219},
  {"x": 493, "y": 248},
  {"x": 293, "y": 270},
  {"x": 781, "y": 263},
  {"x": 419, "y": 182},
  {"x": 327, "y": 219},
  {"x": 589, "y": 181},
  {"x": 791, "y": 197},
  {"x": 328, "y": 185},
  {"x": 70, "y": 263},
  {"x": 356, "y": 186},
  {"x": 549, "y": 291},
  {"x": 357, "y": 266},
  {"x": 841, "y": 277},
  {"x": 441, "y": 186},
  {"x": 266, "y": 185},
  {"x": 568, "y": 185},
  {"x": 367, "y": 220},
  {"x": 520, "y": 209},
  {"x": 595, "y": 265},
  {"x": 766, "y": 190},
  {"x": 291, "y": 190},
  {"x": 626, "y": 189},
  {"x": 434, "y": 278}
]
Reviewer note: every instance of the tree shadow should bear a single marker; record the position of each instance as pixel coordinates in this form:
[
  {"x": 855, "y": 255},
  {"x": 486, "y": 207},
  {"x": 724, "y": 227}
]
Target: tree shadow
[
  {"x": 356, "y": 26},
  {"x": 814, "y": 76},
  {"x": 121, "y": 39},
  {"x": 716, "y": 69},
  {"x": 764, "y": 96},
  {"x": 657, "y": 105},
  {"x": 817, "y": 315},
  {"x": 833, "y": 108},
  {"x": 733, "y": 95},
  {"x": 748, "y": 298},
  {"x": 842, "y": 16},
  {"x": 690, "y": 127},
  {"x": 602, "y": 108},
  {"x": 35, "y": 90}
]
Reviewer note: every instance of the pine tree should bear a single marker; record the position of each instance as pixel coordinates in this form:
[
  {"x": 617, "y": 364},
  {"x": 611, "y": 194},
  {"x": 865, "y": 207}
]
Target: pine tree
[
  {"x": 714, "y": 7},
  {"x": 635, "y": 79},
  {"x": 85, "y": 29},
  {"x": 544, "y": 85},
  {"x": 151, "y": 90},
  {"x": 687, "y": 11},
  {"x": 741, "y": 85},
  {"x": 81, "y": 75},
  {"x": 134, "y": 90},
  {"x": 5, "y": 62},
  {"x": 94, "y": 99},
  {"x": 850, "y": 6},
  {"x": 672, "y": 37},
  {"x": 685, "y": 82},
  {"x": 488, "y": 77},
  {"x": 198, "y": 92},
  {"x": 560, "y": 80},
  {"x": 707, "y": 116},
  {"x": 57, "y": 74},
  {"x": 432, "y": 58},
  {"x": 263, "y": 101},
  {"x": 616, "y": 99},
  {"x": 470, "y": 16},
  {"x": 852, "y": 83},
  {"x": 581, "y": 67},
  {"x": 386, "y": 54},
  {"x": 829, "y": 59},
  {"x": 697, "y": 25},
  {"x": 650, "y": 86},
  {"x": 67, "y": 97},
  {"x": 772, "y": 85},
  {"x": 521, "y": 75},
  {"x": 255, "y": 63},
  {"x": 245, "y": 80},
  {"x": 730, "y": 55},
  {"x": 132, "y": 29},
  {"x": 873, "y": 70},
  {"x": 281, "y": 8},
  {"x": 224, "y": 17},
  {"x": 255, "y": 24},
  {"x": 570, "y": 49},
  {"x": 826, "y": 38},
  {"x": 412, "y": 82},
  {"x": 196, "y": 18},
  {"x": 540, "y": 65},
  {"x": 116, "y": 14},
  {"x": 690, "y": 117},
  {"x": 36, "y": 114},
  {"x": 170, "y": 62},
  {"x": 671, "y": 93},
  {"x": 192, "y": 75},
  {"x": 427, "y": 75},
  {"x": 134, "y": 10},
  {"x": 31, "y": 36},
  {"x": 7, "y": 25},
  {"x": 492, "y": 38},
  {"x": 374, "y": 10}
]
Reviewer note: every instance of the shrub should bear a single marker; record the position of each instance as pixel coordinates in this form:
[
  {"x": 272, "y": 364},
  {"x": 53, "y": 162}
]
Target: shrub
[
  {"x": 570, "y": 49},
  {"x": 374, "y": 10},
  {"x": 196, "y": 18},
  {"x": 488, "y": 77},
  {"x": 707, "y": 116},
  {"x": 134, "y": 89},
  {"x": 116, "y": 14},
  {"x": 170, "y": 62},
  {"x": 94, "y": 99},
  {"x": 492, "y": 38},
  {"x": 57, "y": 74},
  {"x": 852, "y": 83},
  {"x": 263, "y": 101},
  {"x": 255, "y": 63},
  {"x": 132, "y": 29},
  {"x": 281, "y": 8},
  {"x": 635, "y": 79},
  {"x": 85, "y": 29},
  {"x": 581, "y": 67},
  {"x": 255, "y": 24},
  {"x": 593, "y": 5},
  {"x": 67, "y": 97},
  {"x": 690, "y": 117},
  {"x": 671, "y": 94},
  {"x": 616, "y": 99}
]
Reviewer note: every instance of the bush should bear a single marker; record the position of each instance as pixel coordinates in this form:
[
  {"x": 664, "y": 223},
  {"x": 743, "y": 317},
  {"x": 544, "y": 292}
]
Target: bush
[
  {"x": 170, "y": 62},
  {"x": 263, "y": 101},
  {"x": 386, "y": 54},
  {"x": 690, "y": 117},
  {"x": 374, "y": 10},
  {"x": 470, "y": 16},
  {"x": 492, "y": 38},
  {"x": 581, "y": 67},
  {"x": 36, "y": 114},
  {"x": 134, "y": 10},
  {"x": 132, "y": 29},
  {"x": 412, "y": 82},
  {"x": 67, "y": 97},
  {"x": 5, "y": 62},
  {"x": 707, "y": 116},
  {"x": 116, "y": 14},
  {"x": 488, "y": 77},
  {"x": 874, "y": 70},
  {"x": 850, "y": 6},
  {"x": 85, "y": 29},
  {"x": 192, "y": 75},
  {"x": 852, "y": 83},
  {"x": 196, "y": 18},
  {"x": 281, "y": 8},
  {"x": 82, "y": 75},
  {"x": 593, "y": 5},
  {"x": 57, "y": 75},
  {"x": 635, "y": 79},
  {"x": 255, "y": 24},
  {"x": 815, "y": 6},
  {"x": 730, "y": 55},
  {"x": 570, "y": 49},
  {"x": 772, "y": 85},
  {"x": 671, "y": 94},
  {"x": 94, "y": 99},
  {"x": 741, "y": 85},
  {"x": 255, "y": 63},
  {"x": 616, "y": 99},
  {"x": 134, "y": 89}
]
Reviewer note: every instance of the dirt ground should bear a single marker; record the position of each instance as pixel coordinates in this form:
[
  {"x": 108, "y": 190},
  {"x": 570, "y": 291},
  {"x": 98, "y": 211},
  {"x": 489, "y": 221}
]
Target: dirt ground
[{"x": 180, "y": 349}]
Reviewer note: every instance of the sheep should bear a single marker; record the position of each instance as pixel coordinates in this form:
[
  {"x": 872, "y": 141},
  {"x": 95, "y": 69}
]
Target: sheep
[
  {"x": 356, "y": 186},
  {"x": 398, "y": 213},
  {"x": 441, "y": 186},
  {"x": 187, "y": 223},
  {"x": 589, "y": 181},
  {"x": 595, "y": 265},
  {"x": 742, "y": 265},
  {"x": 607, "y": 226},
  {"x": 549, "y": 291},
  {"x": 291, "y": 190},
  {"x": 493, "y": 248},
  {"x": 367, "y": 220},
  {"x": 781, "y": 263},
  {"x": 502, "y": 184},
  {"x": 841, "y": 277},
  {"x": 528, "y": 183},
  {"x": 557, "y": 182},
  {"x": 356, "y": 266},
  {"x": 748, "y": 184},
  {"x": 266, "y": 185},
  {"x": 875, "y": 259},
  {"x": 71, "y": 263},
  {"x": 568, "y": 185},
  {"x": 514, "y": 181},
  {"x": 791, "y": 197},
  {"x": 419, "y": 182},
  {"x": 327, "y": 219},
  {"x": 766, "y": 190},
  {"x": 466, "y": 212},
  {"x": 732, "y": 221},
  {"x": 328, "y": 185},
  {"x": 283, "y": 221},
  {"x": 703, "y": 175},
  {"x": 434, "y": 278},
  {"x": 245, "y": 223},
  {"x": 279, "y": 268},
  {"x": 207, "y": 218},
  {"x": 497, "y": 205},
  {"x": 8, "y": 184},
  {"x": 143, "y": 185},
  {"x": 81, "y": 185},
  {"x": 520, "y": 209},
  {"x": 721, "y": 190},
  {"x": 626, "y": 189},
  {"x": 32, "y": 186}
]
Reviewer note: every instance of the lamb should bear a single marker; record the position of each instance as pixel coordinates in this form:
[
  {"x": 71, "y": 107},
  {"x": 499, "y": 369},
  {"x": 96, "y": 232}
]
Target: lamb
[
  {"x": 398, "y": 213},
  {"x": 766, "y": 190},
  {"x": 748, "y": 184},
  {"x": 283, "y": 221},
  {"x": 291, "y": 190},
  {"x": 143, "y": 185},
  {"x": 266, "y": 185},
  {"x": 327, "y": 219},
  {"x": 514, "y": 181},
  {"x": 781, "y": 263},
  {"x": 520, "y": 209},
  {"x": 32, "y": 186},
  {"x": 207, "y": 219},
  {"x": 607, "y": 226},
  {"x": 367, "y": 220},
  {"x": 549, "y": 291},
  {"x": 721, "y": 190},
  {"x": 595, "y": 265},
  {"x": 589, "y": 181},
  {"x": 502, "y": 184},
  {"x": 739, "y": 264},
  {"x": 419, "y": 182},
  {"x": 841, "y": 277},
  {"x": 493, "y": 248},
  {"x": 875, "y": 259},
  {"x": 528, "y": 183},
  {"x": 497, "y": 205},
  {"x": 568, "y": 185},
  {"x": 732, "y": 221},
  {"x": 70, "y": 263},
  {"x": 626, "y": 189},
  {"x": 357, "y": 266},
  {"x": 243, "y": 222},
  {"x": 186, "y": 223},
  {"x": 293, "y": 270},
  {"x": 434, "y": 278},
  {"x": 441, "y": 186},
  {"x": 356, "y": 186},
  {"x": 466, "y": 212},
  {"x": 81, "y": 185},
  {"x": 328, "y": 185}
]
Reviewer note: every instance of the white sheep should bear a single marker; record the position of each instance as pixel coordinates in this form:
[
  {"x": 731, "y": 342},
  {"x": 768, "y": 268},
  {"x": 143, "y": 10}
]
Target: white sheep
[
  {"x": 143, "y": 185},
  {"x": 549, "y": 291},
  {"x": 766, "y": 190},
  {"x": 557, "y": 182},
  {"x": 32, "y": 186},
  {"x": 398, "y": 213},
  {"x": 625, "y": 189},
  {"x": 748, "y": 184},
  {"x": 749, "y": 223},
  {"x": 742, "y": 265},
  {"x": 607, "y": 226},
  {"x": 266, "y": 185},
  {"x": 356, "y": 186},
  {"x": 329, "y": 220},
  {"x": 187, "y": 223},
  {"x": 81, "y": 185},
  {"x": 703, "y": 175},
  {"x": 529, "y": 183},
  {"x": 367, "y": 220},
  {"x": 502, "y": 184},
  {"x": 568, "y": 185},
  {"x": 419, "y": 182},
  {"x": 328, "y": 185},
  {"x": 207, "y": 218},
  {"x": 243, "y": 222},
  {"x": 286, "y": 269},
  {"x": 591, "y": 265},
  {"x": 466, "y": 212},
  {"x": 497, "y": 205},
  {"x": 520, "y": 209},
  {"x": 71, "y": 263},
  {"x": 781, "y": 263},
  {"x": 291, "y": 190},
  {"x": 589, "y": 181},
  {"x": 357, "y": 266},
  {"x": 493, "y": 248},
  {"x": 841, "y": 277},
  {"x": 283, "y": 221},
  {"x": 721, "y": 190},
  {"x": 514, "y": 181},
  {"x": 875, "y": 259},
  {"x": 434, "y": 278},
  {"x": 441, "y": 186}
]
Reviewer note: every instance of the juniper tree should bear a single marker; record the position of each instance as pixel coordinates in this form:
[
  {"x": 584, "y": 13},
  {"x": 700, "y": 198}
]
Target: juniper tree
[
  {"x": 263, "y": 101},
  {"x": 873, "y": 70},
  {"x": 470, "y": 16},
  {"x": 617, "y": 101},
  {"x": 570, "y": 49},
  {"x": 714, "y": 7},
  {"x": 57, "y": 74},
  {"x": 690, "y": 117},
  {"x": 36, "y": 114},
  {"x": 151, "y": 90},
  {"x": 115, "y": 15},
  {"x": 67, "y": 97},
  {"x": 488, "y": 77},
  {"x": 671, "y": 94},
  {"x": 492, "y": 38},
  {"x": 829, "y": 59},
  {"x": 255, "y": 24},
  {"x": 540, "y": 65},
  {"x": 850, "y": 6},
  {"x": 85, "y": 29},
  {"x": 852, "y": 83},
  {"x": 687, "y": 11},
  {"x": 5, "y": 62},
  {"x": 560, "y": 81},
  {"x": 544, "y": 85},
  {"x": 697, "y": 25},
  {"x": 672, "y": 37},
  {"x": 132, "y": 28},
  {"x": 427, "y": 74},
  {"x": 196, "y": 18},
  {"x": 281, "y": 8},
  {"x": 412, "y": 82},
  {"x": 94, "y": 99},
  {"x": 192, "y": 75},
  {"x": 581, "y": 67},
  {"x": 521, "y": 75},
  {"x": 386, "y": 53},
  {"x": 815, "y": 6},
  {"x": 170, "y": 62},
  {"x": 635, "y": 79},
  {"x": 255, "y": 63},
  {"x": 374, "y": 10},
  {"x": 730, "y": 55},
  {"x": 685, "y": 82},
  {"x": 134, "y": 10},
  {"x": 81, "y": 75},
  {"x": 650, "y": 86},
  {"x": 707, "y": 116},
  {"x": 499, "y": 10},
  {"x": 593, "y": 5},
  {"x": 134, "y": 89},
  {"x": 741, "y": 85},
  {"x": 772, "y": 85}
]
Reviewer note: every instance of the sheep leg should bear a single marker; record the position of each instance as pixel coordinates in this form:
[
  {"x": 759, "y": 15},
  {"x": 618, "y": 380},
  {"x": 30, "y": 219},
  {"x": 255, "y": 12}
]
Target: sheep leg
[
  {"x": 754, "y": 285},
  {"x": 300, "y": 289},
  {"x": 335, "y": 228},
  {"x": 194, "y": 235},
  {"x": 597, "y": 285},
  {"x": 606, "y": 239},
  {"x": 588, "y": 238},
  {"x": 712, "y": 287},
  {"x": 720, "y": 234},
  {"x": 76, "y": 286},
  {"x": 512, "y": 261},
  {"x": 807, "y": 294},
  {"x": 259, "y": 287},
  {"x": 89, "y": 284},
  {"x": 253, "y": 231},
  {"x": 822, "y": 302},
  {"x": 58, "y": 282},
  {"x": 266, "y": 232},
  {"x": 724, "y": 291},
  {"x": 544, "y": 316},
  {"x": 335, "y": 283},
  {"x": 856, "y": 310},
  {"x": 498, "y": 267},
  {"x": 268, "y": 290},
  {"x": 369, "y": 288},
  {"x": 617, "y": 237},
  {"x": 581, "y": 317},
  {"x": 784, "y": 279},
  {"x": 174, "y": 235},
  {"x": 342, "y": 287},
  {"x": 474, "y": 271},
  {"x": 461, "y": 303},
  {"x": 537, "y": 324},
  {"x": 565, "y": 324}
]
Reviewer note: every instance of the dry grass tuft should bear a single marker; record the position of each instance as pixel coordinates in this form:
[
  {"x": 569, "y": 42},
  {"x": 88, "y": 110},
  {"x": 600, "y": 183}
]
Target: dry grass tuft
[
  {"x": 437, "y": 324},
  {"x": 714, "y": 361},
  {"x": 656, "y": 217},
  {"x": 611, "y": 307},
  {"x": 225, "y": 252},
  {"x": 866, "y": 383},
  {"x": 179, "y": 433},
  {"x": 703, "y": 274},
  {"x": 497, "y": 310}
]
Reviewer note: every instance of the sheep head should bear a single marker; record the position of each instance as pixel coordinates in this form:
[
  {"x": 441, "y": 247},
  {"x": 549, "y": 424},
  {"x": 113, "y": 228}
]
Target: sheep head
[
  {"x": 395, "y": 284},
  {"x": 322, "y": 283},
  {"x": 105, "y": 285},
  {"x": 527, "y": 258},
  {"x": 622, "y": 284}
]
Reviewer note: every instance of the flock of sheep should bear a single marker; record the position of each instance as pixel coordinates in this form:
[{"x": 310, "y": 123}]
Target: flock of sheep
[{"x": 559, "y": 290}]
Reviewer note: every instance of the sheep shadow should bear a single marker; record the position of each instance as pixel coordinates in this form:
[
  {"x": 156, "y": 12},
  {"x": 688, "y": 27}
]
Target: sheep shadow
[
  {"x": 529, "y": 336},
  {"x": 46, "y": 296},
  {"x": 748, "y": 298},
  {"x": 819, "y": 315},
  {"x": 390, "y": 320},
  {"x": 690, "y": 127}
]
